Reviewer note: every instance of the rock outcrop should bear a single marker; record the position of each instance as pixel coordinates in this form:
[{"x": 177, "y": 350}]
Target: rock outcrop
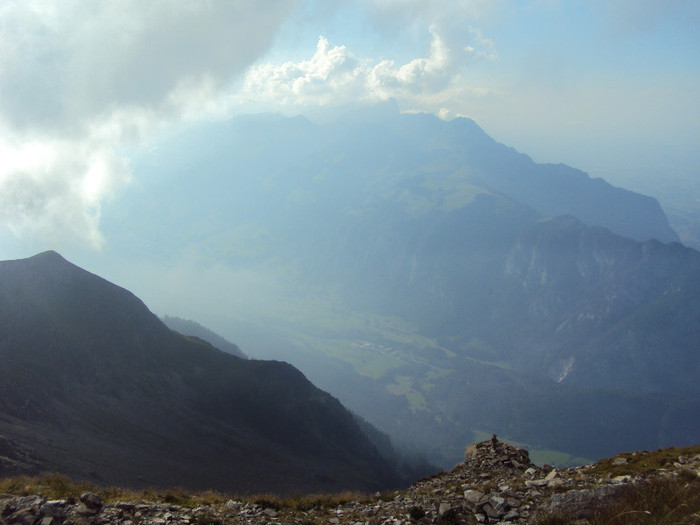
[{"x": 497, "y": 483}]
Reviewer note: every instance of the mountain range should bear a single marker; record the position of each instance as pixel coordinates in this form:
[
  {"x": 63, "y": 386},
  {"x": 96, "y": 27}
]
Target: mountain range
[
  {"x": 440, "y": 284},
  {"x": 96, "y": 387}
]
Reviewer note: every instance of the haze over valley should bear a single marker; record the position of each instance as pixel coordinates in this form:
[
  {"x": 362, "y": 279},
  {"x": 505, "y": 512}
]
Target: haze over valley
[
  {"x": 449, "y": 223},
  {"x": 413, "y": 266}
]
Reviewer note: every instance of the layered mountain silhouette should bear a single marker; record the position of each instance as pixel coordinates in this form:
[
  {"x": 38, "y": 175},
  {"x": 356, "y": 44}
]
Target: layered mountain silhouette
[
  {"x": 193, "y": 328},
  {"x": 95, "y": 386},
  {"x": 265, "y": 167},
  {"x": 552, "y": 298},
  {"x": 442, "y": 285}
]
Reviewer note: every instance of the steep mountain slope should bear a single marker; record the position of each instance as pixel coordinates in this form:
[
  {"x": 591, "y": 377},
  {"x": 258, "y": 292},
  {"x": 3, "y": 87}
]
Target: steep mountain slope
[
  {"x": 599, "y": 310},
  {"x": 100, "y": 388},
  {"x": 193, "y": 328},
  {"x": 553, "y": 297}
]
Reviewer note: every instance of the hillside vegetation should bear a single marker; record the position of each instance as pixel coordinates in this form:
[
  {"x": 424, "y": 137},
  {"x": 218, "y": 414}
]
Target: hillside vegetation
[{"x": 495, "y": 483}]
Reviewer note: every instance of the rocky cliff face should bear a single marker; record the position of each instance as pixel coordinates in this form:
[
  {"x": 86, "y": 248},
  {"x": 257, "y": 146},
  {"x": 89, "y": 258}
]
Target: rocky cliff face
[
  {"x": 551, "y": 297},
  {"x": 599, "y": 310},
  {"x": 531, "y": 317}
]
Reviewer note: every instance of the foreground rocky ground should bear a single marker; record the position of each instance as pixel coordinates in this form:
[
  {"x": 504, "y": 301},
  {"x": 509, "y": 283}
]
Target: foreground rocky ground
[{"x": 496, "y": 483}]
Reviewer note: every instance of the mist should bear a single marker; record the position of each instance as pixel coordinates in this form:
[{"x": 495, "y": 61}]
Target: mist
[
  {"x": 390, "y": 255},
  {"x": 427, "y": 208}
]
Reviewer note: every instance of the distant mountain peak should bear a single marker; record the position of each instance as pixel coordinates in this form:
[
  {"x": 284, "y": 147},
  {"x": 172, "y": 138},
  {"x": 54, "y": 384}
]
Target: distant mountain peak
[
  {"x": 48, "y": 263},
  {"x": 48, "y": 256}
]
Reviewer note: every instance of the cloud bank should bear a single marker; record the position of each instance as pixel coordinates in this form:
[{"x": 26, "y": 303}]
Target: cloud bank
[
  {"x": 334, "y": 75},
  {"x": 79, "y": 80}
]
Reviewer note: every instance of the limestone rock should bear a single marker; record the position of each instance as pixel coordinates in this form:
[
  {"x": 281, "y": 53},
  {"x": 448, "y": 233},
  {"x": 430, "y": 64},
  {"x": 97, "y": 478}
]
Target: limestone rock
[{"x": 580, "y": 504}]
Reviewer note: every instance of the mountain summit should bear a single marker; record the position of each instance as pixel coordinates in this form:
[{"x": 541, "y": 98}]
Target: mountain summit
[{"x": 95, "y": 386}]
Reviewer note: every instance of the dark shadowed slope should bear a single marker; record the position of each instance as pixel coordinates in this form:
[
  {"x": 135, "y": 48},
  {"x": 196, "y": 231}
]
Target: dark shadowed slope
[{"x": 98, "y": 387}]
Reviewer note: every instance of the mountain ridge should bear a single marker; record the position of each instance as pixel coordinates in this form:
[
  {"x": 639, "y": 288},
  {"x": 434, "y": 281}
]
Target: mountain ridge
[
  {"x": 97, "y": 376},
  {"x": 194, "y": 329}
]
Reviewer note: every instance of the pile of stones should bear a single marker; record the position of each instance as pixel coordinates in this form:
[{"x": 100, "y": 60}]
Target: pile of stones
[{"x": 497, "y": 483}]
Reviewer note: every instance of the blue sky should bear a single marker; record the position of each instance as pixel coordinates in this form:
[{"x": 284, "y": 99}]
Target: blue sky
[{"x": 611, "y": 87}]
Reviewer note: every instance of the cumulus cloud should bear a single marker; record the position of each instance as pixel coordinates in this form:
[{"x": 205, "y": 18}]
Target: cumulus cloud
[
  {"x": 334, "y": 75},
  {"x": 54, "y": 187},
  {"x": 329, "y": 69},
  {"x": 80, "y": 79}
]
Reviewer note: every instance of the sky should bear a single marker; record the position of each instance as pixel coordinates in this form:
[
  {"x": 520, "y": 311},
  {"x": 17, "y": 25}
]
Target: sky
[{"x": 608, "y": 86}]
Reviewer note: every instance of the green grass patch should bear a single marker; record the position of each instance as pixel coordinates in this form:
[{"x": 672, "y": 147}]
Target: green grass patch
[
  {"x": 557, "y": 458},
  {"x": 404, "y": 386},
  {"x": 642, "y": 461},
  {"x": 372, "y": 344},
  {"x": 448, "y": 192},
  {"x": 366, "y": 360},
  {"x": 416, "y": 401},
  {"x": 437, "y": 373}
]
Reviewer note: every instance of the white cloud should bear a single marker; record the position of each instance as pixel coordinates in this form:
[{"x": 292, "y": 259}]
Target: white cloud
[
  {"x": 54, "y": 187},
  {"x": 79, "y": 79},
  {"x": 420, "y": 74},
  {"x": 329, "y": 70},
  {"x": 482, "y": 48},
  {"x": 334, "y": 75}
]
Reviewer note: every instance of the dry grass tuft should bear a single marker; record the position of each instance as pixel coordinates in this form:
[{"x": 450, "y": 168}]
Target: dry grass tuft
[
  {"x": 305, "y": 502},
  {"x": 644, "y": 461},
  {"x": 672, "y": 500},
  {"x": 58, "y": 486}
]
